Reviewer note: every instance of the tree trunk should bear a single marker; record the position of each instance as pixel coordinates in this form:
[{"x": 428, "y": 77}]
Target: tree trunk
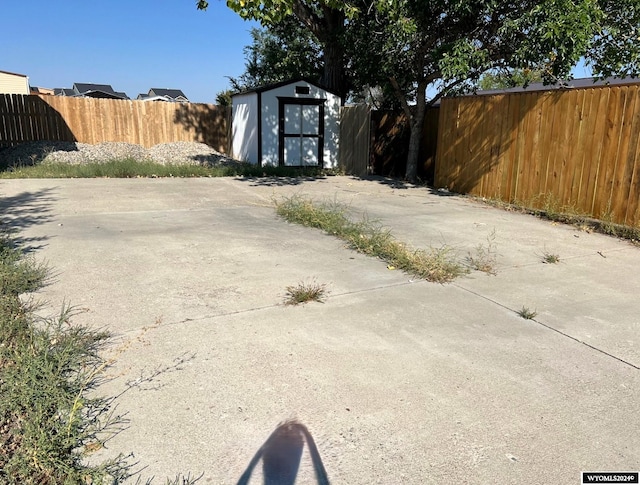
[
  {"x": 416, "y": 120},
  {"x": 415, "y": 138},
  {"x": 329, "y": 30},
  {"x": 333, "y": 77}
]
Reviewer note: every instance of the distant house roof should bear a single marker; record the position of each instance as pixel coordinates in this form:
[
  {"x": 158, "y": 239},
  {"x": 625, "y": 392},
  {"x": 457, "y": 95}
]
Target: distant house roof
[
  {"x": 81, "y": 88},
  {"x": 91, "y": 90},
  {"x": 64, "y": 92},
  {"x": 40, "y": 90},
  {"x": 146, "y": 97},
  {"x": 173, "y": 94},
  {"x": 97, "y": 91},
  {"x": 13, "y": 73},
  {"x": 586, "y": 82}
]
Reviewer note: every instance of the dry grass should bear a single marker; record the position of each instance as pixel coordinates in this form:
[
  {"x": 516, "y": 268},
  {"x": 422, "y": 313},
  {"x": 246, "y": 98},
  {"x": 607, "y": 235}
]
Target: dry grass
[
  {"x": 370, "y": 238},
  {"x": 305, "y": 292}
]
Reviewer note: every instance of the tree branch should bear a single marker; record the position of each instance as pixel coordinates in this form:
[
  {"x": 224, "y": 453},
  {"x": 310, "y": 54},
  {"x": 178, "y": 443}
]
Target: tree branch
[
  {"x": 403, "y": 100},
  {"x": 309, "y": 18}
]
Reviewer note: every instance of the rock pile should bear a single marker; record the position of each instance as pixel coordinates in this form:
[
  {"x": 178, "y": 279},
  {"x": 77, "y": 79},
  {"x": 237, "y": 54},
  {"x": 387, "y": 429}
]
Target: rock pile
[{"x": 177, "y": 153}]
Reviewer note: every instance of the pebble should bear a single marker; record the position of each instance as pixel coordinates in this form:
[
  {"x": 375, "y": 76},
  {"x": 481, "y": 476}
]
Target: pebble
[{"x": 177, "y": 153}]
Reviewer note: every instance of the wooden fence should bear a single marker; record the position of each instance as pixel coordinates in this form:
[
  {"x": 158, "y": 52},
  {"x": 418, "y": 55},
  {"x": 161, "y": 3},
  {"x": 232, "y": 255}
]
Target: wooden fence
[
  {"x": 571, "y": 149},
  {"x": 390, "y": 144},
  {"x": 355, "y": 140},
  {"x": 90, "y": 120}
]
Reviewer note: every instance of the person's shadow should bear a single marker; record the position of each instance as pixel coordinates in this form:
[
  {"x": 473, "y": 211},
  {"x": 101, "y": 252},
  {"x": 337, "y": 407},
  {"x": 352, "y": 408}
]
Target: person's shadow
[{"x": 281, "y": 455}]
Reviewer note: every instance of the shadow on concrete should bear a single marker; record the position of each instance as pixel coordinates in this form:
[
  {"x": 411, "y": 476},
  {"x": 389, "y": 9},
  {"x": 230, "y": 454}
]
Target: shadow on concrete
[
  {"x": 404, "y": 185},
  {"x": 21, "y": 211},
  {"x": 278, "y": 181},
  {"x": 281, "y": 455}
]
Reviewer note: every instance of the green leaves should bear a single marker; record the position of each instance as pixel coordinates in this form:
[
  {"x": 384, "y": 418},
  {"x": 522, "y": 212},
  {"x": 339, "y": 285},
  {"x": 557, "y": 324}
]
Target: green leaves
[
  {"x": 269, "y": 12},
  {"x": 283, "y": 51}
]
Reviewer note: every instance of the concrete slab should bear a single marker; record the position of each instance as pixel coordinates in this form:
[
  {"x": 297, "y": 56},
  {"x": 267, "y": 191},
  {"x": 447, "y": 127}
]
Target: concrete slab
[{"x": 400, "y": 381}]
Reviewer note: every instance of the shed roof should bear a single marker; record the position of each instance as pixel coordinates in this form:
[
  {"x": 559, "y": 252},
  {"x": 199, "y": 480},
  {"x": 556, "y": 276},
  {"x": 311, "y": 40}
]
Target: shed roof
[{"x": 269, "y": 87}]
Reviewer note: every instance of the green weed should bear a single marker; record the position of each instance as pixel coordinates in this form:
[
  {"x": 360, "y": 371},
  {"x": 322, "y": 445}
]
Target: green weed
[
  {"x": 305, "y": 292},
  {"x": 526, "y": 313},
  {"x": 484, "y": 257},
  {"x": 370, "y": 238},
  {"x": 550, "y": 258},
  {"x": 568, "y": 214},
  {"x": 131, "y": 168},
  {"x": 51, "y": 417}
]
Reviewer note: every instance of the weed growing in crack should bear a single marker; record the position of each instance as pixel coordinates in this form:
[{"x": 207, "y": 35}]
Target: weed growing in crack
[
  {"x": 550, "y": 258},
  {"x": 305, "y": 292},
  {"x": 484, "y": 257},
  {"x": 526, "y": 313}
]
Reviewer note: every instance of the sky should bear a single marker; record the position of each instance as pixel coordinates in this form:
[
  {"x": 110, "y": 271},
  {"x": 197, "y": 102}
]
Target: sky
[{"x": 133, "y": 45}]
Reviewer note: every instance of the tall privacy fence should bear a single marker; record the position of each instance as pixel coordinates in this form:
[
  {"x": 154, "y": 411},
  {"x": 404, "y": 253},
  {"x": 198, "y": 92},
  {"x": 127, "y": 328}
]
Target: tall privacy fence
[
  {"x": 571, "y": 149},
  {"x": 91, "y": 120}
]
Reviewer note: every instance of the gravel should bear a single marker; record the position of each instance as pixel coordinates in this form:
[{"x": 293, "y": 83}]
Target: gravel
[{"x": 177, "y": 153}]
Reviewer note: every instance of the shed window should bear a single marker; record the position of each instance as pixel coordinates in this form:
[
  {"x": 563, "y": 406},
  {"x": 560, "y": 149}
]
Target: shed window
[{"x": 302, "y": 89}]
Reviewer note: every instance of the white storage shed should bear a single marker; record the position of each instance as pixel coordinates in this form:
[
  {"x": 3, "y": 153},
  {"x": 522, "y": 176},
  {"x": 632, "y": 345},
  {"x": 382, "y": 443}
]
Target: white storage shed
[{"x": 292, "y": 123}]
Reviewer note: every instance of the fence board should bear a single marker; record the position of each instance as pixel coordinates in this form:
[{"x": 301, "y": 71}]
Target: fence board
[
  {"x": 632, "y": 167},
  {"x": 620, "y": 188},
  {"x": 355, "y": 140},
  {"x": 90, "y": 120},
  {"x": 576, "y": 148},
  {"x": 530, "y": 128}
]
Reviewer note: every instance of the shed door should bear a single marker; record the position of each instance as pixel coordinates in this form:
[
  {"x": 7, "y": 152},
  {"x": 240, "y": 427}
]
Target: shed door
[{"x": 301, "y": 133}]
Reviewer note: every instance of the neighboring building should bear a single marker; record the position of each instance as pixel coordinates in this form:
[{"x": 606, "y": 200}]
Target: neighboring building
[
  {"x": 293, "y": 123},
  {"x": 64, "y": 92},
  {"x": 12, "y": 83},
  {"x": 90, "y": 90},
  {"x": 38, "y": 90},
  {"x": 163, "y": 94}
]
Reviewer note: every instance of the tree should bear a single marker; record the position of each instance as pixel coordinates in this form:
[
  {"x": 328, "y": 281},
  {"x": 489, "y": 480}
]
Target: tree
[
  {"x": 324, "y": 19},
  {"x": 509, "y": 78},
  {"x": 445, "y": 46},
  {"x": 280, "y": 52},
  {"x": 437, "y": 47},
  {"x": 223, "y": 98},
  {"x": 420, "y": 48}
]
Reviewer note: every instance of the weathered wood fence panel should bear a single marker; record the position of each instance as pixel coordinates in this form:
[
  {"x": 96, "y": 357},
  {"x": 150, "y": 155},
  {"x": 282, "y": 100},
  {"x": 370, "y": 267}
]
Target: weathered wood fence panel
[
  {"x": 90, "y": 120},
  {"x": 355, "y": 140},
  {"x": 573, "y": 149},
  {"x": 28, "y": 118}
]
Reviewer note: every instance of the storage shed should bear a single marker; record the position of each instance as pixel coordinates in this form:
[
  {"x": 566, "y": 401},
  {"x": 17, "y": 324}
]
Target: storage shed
[{"x": 293, "y": 123}]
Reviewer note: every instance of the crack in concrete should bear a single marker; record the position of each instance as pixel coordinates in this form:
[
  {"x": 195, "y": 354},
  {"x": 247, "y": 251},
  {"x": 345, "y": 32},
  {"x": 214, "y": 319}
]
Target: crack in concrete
[{"x": 564, "y": 334}]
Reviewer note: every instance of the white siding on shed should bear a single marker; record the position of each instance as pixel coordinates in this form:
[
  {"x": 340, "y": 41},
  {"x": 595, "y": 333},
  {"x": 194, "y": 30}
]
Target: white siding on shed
[
  {"x": 11, "y": 83},
  {"x": 244, "y": 128}
]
